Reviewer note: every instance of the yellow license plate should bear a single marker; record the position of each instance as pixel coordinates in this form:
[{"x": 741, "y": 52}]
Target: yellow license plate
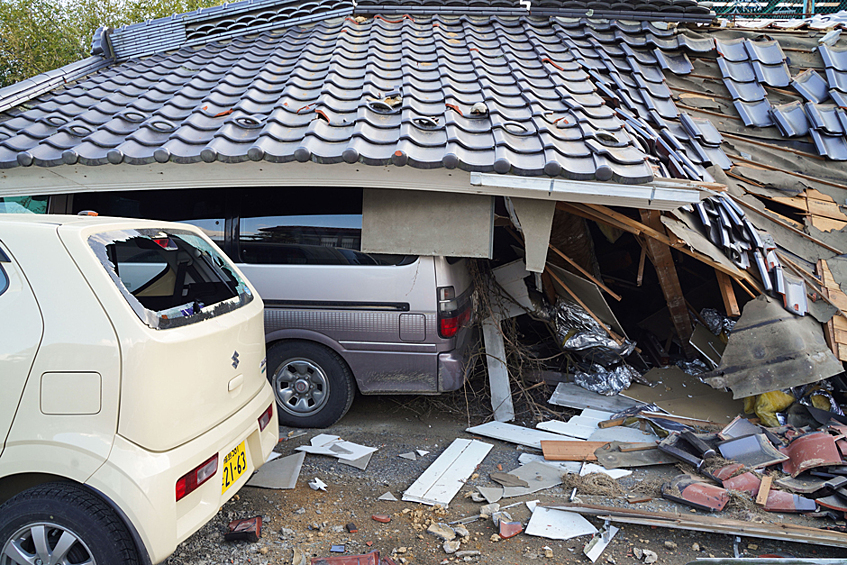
[{"x": 235, "y": 465}]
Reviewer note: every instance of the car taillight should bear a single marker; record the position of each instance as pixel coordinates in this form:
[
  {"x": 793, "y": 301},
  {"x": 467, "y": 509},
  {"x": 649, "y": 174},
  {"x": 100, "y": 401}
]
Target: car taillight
[
  {"x": 452, "y": 313},
  {"x": 265, "y": 418},
  {"x": 190, "y": 481}
]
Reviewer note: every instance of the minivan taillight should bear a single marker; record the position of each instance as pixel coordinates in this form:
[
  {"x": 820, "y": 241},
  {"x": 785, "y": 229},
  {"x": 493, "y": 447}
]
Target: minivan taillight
[
  {"x": 453, "y": 313},
  {"x": 192, "y": 480},
  {"x": 265, "y": 418}
]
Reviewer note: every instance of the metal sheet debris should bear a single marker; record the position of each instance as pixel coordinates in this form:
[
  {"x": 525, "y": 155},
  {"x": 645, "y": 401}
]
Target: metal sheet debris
[
  {"x": 753, "y": 451},
  {"x": 279, "y": 474},
  {"x": 739, "y": 427},
  {"x": 611, "y": 457},
  {"x": 771, "y": 349},
  {"x": 448, "y": 473},
  {"x": 570, "y": 395},
  {"x": 558, "y": 524}
]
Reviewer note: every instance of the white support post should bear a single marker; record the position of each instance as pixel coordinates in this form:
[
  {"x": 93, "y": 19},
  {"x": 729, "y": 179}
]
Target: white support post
[{"x": 498, "y": 374}]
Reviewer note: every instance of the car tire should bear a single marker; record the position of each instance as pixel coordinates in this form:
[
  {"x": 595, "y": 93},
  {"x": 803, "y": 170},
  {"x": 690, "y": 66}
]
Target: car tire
[
  {"x": 312, "y": 384},
  {"x": 66, "y": 518}
]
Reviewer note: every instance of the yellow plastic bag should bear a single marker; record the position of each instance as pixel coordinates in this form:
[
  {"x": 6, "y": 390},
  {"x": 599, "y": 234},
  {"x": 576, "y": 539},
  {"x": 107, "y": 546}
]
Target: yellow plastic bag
[{"x": 766, "y": 405}]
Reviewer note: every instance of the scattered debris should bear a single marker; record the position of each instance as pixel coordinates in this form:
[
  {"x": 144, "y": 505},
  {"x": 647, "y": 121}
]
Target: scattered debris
[
  {"x": 514, "y": 434},
  {"x": 278, "y": 474},
  {"x": 384, "y": 518},
  {"x": 752, "y": 451},
  {"x": 352, "y": 528},
  {"x": 249, "y": 529},
  {"x": 441, "y": 531},
  {"x": 346, "y": 452},
  {"x": 410, "y": 456},
  {"x": 448, "y": 473},
  {"x": 558, "y": 524},
  {"x": 318, "y": 484},
  {"x": 509, "y": 529},
  {"x": 696, "y": 493},
  {"x": 387, "y": 496},
  {"x": 594, "y": 548},
  {"x": 421, "y": 452}
]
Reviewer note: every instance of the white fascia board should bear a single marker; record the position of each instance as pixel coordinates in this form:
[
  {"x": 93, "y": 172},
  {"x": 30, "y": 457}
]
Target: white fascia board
[
  {"x": 657, "y": 195},
  {"x": 38, "y": 181}
]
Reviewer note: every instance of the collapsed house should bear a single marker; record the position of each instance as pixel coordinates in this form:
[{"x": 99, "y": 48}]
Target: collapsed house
[{"x": 584, "y": 141}]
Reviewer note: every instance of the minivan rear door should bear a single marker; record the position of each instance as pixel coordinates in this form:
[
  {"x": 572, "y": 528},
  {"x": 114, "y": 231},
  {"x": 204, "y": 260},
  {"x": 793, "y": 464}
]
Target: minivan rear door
[{"x": 21, "y": 328}]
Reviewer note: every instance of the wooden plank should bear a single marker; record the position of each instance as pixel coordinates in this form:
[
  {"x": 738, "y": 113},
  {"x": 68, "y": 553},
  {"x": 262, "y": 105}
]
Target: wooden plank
[
  {"x": 584, "y": 272},
  {"x": 826, "y": 210},
  {"x": 641, "y": 262},
  {"x": 655, "y": 231},
  {"x": 447, "y": 474},
  {"x": 564, "y": 450},
  {"x": 695, "y": 522},
  {"x": 764, "y": 489},
  {"x": 669, "y": 281},
  {"x": 730, "y": 303}
]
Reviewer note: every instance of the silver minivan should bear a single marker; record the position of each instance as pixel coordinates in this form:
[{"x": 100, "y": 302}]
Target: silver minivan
[{"x": 336, "y": 319}]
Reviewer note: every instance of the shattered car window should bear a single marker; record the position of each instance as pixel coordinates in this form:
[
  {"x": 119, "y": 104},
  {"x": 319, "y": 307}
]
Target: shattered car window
[{"x": 170, "y": 277}]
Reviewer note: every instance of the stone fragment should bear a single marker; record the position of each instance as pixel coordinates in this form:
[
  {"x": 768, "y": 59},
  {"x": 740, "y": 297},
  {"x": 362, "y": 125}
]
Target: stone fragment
[
  {"x": 494, "y": 538},
  {"x": 650, "y": 557},
  {"x": 461, "y": 531},
  {"x": 452, "y": 546},
  {"x": 670, "y": 545},
  {"x": 441, "y": 531}
]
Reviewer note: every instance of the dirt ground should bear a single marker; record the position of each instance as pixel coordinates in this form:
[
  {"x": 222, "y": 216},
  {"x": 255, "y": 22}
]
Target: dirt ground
[{"x": 313, "y": 521}]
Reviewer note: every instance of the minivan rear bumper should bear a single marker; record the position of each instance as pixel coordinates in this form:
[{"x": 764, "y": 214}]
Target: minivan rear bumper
[
  {"x": 142, "y": 483},
  {"x": 452, "y": 364}
]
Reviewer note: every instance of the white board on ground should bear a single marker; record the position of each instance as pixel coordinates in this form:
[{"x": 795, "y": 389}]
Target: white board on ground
[
  {"x": 513, "y": 434},
  {"x": 570, "y": 429},
  {"x": 558, "y": 524},
  {"x": 575, "y": 467},
  {"x": 447, "y": 474},
  {"x": 622, "y": 433}
]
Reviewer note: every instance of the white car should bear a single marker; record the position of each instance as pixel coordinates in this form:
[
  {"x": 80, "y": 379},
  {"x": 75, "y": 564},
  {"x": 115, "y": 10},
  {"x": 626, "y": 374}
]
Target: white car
[{"x": 134, "y": 396}]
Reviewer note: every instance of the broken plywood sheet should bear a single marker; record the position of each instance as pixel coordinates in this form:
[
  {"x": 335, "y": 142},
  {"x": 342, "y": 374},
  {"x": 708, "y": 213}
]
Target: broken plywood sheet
[
  {"x": 512, "y": 296},
  {"x": 831, "y": 273},
  {"x": 677, "y": 392},
  {"x": 575, "y": 427},
  {"x": 708, "y": 344},
  {"x": 558, "y": 524},
  {"x": 570, "y": 395},
  {"x": 447, "y": 474},
  {"x": 280, "y": 473},
  {"x": 590, "y": 294},
  {"x": 573, "y": 467},
  {"x": 513, "y": 434},
  {"x": 535, "y": 474},
  {"x": 623, "y": 434}
]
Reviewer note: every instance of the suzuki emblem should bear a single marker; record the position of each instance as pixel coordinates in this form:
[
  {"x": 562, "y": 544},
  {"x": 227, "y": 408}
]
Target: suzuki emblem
[{"x": 234, "y": 360}]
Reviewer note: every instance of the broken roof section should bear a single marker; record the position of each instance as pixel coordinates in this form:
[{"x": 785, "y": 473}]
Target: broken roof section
[{"x": 530, "y": 96}]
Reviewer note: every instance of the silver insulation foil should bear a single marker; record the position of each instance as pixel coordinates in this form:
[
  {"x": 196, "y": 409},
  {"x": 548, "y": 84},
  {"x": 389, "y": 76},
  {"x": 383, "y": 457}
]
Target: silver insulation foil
[
  {"x": 606, "y": 381},
  {"x": 577, "y": 331},
  {"x": 717, "y": 322}
]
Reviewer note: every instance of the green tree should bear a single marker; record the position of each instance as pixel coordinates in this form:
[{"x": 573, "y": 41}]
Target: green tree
[{"x": 37, "y": 36}]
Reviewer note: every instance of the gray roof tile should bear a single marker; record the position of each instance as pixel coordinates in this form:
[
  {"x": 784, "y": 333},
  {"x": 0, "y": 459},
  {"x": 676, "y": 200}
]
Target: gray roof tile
[
  {"x": 824, "y": 117},
  {"x": 791, "y": 119},
  {"x": 811, "y": 86},
  {"x": 773, "y": 75},
  {"x": 732, "y": 50},
  {"x": 754, "y": 113}
]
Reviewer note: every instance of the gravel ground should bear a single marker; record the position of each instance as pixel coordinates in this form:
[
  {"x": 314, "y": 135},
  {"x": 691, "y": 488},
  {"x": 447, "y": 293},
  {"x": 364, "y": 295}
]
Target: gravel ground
[{"x": 310, "y": 521}]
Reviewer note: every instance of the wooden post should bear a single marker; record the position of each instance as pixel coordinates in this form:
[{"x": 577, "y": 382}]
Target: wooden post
[
  {"x": 660, "y": 255},
  {"x": 730, "y": 304}
]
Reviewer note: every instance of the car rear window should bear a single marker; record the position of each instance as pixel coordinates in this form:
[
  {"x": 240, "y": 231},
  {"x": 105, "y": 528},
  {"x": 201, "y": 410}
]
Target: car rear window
[{"x": 170, "y": 277}]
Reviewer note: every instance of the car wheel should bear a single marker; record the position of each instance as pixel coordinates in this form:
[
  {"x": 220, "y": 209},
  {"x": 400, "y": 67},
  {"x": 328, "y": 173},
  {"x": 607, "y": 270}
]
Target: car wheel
[
  {"x": 62, "y": 523},
  {"x": 312, "y": 384}
]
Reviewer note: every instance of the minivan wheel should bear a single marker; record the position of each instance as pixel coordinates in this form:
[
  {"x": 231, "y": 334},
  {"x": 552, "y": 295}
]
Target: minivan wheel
[
  {"x": 62, "y": 523},
  {"x": 312, "y": 384}
]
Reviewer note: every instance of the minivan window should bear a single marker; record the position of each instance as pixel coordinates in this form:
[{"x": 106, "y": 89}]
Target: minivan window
[
  {"x": 304, "y": 226},
  {"x": 199, "y": 207},
  {"x": 170, "y": 277},
  {"x": 23, "y": 205}
]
